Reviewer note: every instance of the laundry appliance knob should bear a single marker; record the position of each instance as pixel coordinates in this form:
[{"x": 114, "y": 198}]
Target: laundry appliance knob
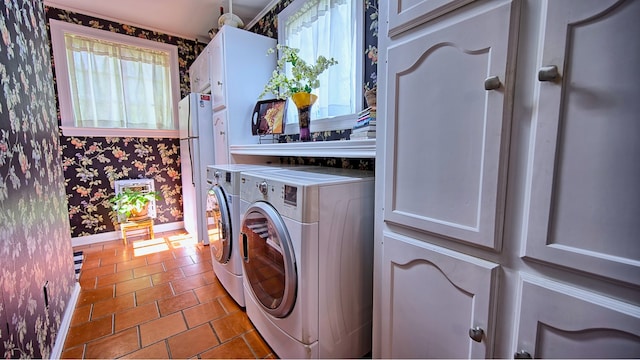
[{"x": 263, "y": 187}]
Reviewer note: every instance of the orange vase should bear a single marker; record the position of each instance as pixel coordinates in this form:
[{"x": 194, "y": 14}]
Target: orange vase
[{"x": 304, "y": 101}]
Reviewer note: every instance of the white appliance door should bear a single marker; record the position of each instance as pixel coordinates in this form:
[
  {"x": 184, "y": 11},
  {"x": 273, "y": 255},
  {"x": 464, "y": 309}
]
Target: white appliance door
[
  {"x": 184, "y": 116},
  {"x": 269, "y": 263},
  {"x": 188, "y": 162},
  {"x": 202, "y": 156},
  {"x": 219, "y": 224},
  {"x": 194, "y": 109},
  {"x": 188, "y": 187}
]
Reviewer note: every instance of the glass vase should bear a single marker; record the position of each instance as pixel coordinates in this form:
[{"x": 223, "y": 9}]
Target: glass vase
[{"x": 304, "y": 101}]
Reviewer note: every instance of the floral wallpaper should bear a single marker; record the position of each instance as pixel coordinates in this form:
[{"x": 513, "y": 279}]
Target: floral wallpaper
[
  {"x": 35, "y": 241},
  {"x": 268, "y": 26},
  {"x": 371, "y": 44},
  {"x": 92, "y": 164}
]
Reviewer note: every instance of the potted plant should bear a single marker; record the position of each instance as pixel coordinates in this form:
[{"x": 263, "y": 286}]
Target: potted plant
[
  {"x": 132, "y": 203},
  {"x": 298, "y": 86}
]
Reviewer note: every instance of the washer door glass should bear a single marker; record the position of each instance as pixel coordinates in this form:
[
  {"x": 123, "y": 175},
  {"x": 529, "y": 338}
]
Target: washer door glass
[
  {"x": 268, "y": 259},
  {"x": 218, "y": 224}
]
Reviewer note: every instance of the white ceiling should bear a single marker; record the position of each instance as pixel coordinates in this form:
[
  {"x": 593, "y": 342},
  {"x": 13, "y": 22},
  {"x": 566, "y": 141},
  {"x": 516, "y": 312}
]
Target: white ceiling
[{"x": 191, "y": 19}]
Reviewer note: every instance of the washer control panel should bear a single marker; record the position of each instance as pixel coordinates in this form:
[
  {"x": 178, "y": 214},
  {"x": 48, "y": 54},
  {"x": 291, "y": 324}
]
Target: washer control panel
[{"x": 285, "y": 197}]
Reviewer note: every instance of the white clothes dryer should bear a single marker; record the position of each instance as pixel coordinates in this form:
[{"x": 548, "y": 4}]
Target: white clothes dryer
[
  {"x": 306, "y": 243},
  {"x": 223, "y": 223}
]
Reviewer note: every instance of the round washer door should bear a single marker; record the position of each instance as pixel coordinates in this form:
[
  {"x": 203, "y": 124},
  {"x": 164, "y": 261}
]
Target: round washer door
[
  {"x": 268, "y": 259},
  {"x": 218, "y": 225}
]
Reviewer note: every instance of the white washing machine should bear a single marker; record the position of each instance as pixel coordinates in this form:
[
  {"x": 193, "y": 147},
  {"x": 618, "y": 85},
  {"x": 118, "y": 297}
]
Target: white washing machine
[
  {"x": 306, "y": 242},
  {"x": 223, "y": 223}
]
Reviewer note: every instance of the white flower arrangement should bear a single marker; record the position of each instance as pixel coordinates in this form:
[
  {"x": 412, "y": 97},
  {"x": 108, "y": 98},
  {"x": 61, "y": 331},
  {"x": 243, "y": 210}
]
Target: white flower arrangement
[{"x": 304, "y": 76}]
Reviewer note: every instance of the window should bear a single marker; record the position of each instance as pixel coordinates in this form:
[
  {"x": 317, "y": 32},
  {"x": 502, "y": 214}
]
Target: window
[
  {"x": 112, "y": 84},
  {"x": 332, "y": 28}
]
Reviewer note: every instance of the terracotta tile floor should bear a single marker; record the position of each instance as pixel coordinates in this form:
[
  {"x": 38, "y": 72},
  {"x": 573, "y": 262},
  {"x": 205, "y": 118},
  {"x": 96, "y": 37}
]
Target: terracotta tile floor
[{"x": 157, "y": 298}]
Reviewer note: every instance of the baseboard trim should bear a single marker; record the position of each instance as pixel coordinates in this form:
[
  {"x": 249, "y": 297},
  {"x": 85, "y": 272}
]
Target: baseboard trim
[
  {"x": 115, "y": 235},
  {"x": 56, "y": 352}
]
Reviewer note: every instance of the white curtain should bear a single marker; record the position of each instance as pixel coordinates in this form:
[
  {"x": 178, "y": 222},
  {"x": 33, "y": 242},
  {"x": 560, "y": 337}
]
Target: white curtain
[
  {"x": 309, "y": 30},
  {"x": 118, "y": 86}
]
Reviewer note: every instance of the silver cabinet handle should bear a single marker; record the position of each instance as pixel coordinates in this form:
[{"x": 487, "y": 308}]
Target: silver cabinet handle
[
  {"x": 522, "y": 354},
  {"x": 476, "y": 334},
  {"x": 492, "y": 83},
  {"x": 548, "y": 73},
  {"x": 219, "y": 83}
]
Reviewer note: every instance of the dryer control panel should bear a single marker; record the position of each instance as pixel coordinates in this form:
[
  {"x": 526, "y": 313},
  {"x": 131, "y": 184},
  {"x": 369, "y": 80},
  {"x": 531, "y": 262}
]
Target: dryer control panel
[{"x": 286, "y": 198}]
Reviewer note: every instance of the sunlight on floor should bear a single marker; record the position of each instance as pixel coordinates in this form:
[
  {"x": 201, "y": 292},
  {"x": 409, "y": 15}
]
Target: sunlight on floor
[
  {"x": 151, "y": 246},
  {"x": 183, "y": 240},
  {"x": 146, "y": 247}
]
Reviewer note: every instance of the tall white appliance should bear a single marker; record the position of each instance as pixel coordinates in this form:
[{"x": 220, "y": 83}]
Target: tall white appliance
[{"x": 196, "y": 153}]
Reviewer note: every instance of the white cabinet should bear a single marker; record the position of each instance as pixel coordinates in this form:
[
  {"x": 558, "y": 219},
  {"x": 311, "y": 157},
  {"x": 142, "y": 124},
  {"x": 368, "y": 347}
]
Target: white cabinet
[
  {"x": 440, "y": 113},
  {"x": 240, "y": 67},
  {"x": 584, "y": 166},
  {"x": 199, "y": 73},
  {"x": 513, "y": 209},
  {"x": 562, "y": 322},
  {"x": 218, "y": 73},
  {"x": 455, "y": 301},
  {"x": 220, "y": 137}
]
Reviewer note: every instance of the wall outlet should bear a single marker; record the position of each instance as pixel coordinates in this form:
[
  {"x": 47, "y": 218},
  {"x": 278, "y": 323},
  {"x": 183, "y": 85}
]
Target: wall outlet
[{"x": 45, "y": 290}]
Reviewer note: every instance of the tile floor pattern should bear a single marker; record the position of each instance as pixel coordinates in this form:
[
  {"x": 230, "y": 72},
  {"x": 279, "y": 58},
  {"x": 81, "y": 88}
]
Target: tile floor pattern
[{"x": 157, "y": 299}]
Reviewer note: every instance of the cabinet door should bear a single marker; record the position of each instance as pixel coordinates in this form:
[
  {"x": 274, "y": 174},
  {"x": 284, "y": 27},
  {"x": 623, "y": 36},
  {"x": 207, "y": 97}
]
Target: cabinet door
[
  {"x": 218, "y": 84},
  {"x": 221, "y": 143},
  {"x": 562, "y": 322},
  {"x": 584, "y": 172},
  {"x": 199, "y": 73},
  {"x": 446, "y": 135},
  {"x": 404, "y": 15},
  {"x": 431, "y": 299}
]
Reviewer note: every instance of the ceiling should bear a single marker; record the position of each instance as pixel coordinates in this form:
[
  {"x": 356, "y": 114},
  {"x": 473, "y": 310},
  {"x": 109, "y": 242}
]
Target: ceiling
[{"x": 191, "y": 19}]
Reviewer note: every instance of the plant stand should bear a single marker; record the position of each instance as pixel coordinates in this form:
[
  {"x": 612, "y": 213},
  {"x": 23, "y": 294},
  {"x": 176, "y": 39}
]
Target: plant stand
[{"x": 136, "y": 225}]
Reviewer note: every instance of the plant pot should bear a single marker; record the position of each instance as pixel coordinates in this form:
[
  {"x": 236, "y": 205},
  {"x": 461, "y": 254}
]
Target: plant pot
[
  {"x": 304, "y": 101},
  {"x": 139, "y": 215}
]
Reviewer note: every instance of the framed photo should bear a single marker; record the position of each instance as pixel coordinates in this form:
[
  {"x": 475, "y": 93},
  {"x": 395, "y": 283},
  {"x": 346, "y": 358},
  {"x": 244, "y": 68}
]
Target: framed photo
[{"x": 268, "y": 117}]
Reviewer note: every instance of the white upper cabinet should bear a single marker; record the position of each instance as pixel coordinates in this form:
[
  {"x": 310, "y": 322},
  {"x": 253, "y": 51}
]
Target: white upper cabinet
[
  {"x": 240, "y": 68},
  {"x": 436, "y": 303},
  {"x": 583, "y": 197},
  {"x": 448, "y": 114},
  {"x": 218, "y": 79},
  {"x": 199, "y": 73}
]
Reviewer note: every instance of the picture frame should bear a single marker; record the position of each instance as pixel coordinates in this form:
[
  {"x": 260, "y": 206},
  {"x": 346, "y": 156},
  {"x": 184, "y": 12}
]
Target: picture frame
[{"x": 268, "y": 117}]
